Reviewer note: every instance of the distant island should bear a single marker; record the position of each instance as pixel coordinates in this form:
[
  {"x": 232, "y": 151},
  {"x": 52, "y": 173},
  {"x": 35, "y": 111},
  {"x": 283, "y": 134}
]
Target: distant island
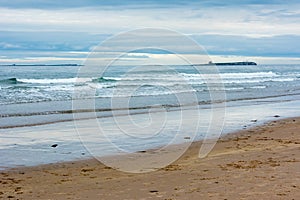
[
  {"x": 48, "y": 65},
  {"x": 229, "y": 63}
]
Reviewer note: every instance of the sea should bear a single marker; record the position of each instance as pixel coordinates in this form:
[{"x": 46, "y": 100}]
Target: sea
[
  {"x": 35, "y": 91},
  {"x": 37, "y": 110}
]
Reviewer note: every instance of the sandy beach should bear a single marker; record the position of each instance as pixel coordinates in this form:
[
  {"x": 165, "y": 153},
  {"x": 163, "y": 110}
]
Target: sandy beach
[
  {"x": 257, "y": 163},
  {"x": 156, "y": 99}
]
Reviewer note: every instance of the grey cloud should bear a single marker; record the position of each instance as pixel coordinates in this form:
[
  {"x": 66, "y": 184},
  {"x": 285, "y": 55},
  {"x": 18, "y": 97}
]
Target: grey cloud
[
  {"x": 285, "y": 45},
  {"x": 51, "y": 4}
]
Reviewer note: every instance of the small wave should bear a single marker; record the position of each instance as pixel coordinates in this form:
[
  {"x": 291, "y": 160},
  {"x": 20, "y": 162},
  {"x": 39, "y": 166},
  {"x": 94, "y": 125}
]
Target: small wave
[
  {"x": 249, "y": 75},
  {"x": 19, "y": 87},
  {"x": 232, "y": 75},
  {"x": 221, "y": 89},
  {"x": 259, "y": 87},
  {"x": 9, "y": 81},
  {"x": 64, "y": 80},
  {"x": 104, "y": 79}
]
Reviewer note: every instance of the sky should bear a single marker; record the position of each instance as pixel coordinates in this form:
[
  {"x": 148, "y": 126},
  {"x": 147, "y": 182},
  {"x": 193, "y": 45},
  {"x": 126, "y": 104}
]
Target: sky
[{"x": 265, "y": 31}]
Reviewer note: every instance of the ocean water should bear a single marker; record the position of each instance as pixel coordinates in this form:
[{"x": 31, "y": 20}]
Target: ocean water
[{"x": 42, "y": 94}]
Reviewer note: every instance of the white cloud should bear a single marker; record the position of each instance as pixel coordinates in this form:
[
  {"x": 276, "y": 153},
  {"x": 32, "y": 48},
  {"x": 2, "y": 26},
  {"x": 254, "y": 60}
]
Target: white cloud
[{"x": 251, "y": 20}]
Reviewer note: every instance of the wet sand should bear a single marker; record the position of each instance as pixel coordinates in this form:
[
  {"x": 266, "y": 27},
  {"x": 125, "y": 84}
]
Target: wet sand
[{"x": 258, "y": 163}]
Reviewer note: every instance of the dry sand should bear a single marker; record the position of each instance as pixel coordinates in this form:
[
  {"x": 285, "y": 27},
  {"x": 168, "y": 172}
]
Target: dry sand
[{"x": 259, "y": 163}]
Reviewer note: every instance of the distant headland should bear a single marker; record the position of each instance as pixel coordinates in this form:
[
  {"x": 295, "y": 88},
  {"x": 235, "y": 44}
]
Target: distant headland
[{"x": 48, "y": 65}]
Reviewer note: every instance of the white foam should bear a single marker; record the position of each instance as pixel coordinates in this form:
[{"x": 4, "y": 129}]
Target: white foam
[{"x": 51, "y": 81}]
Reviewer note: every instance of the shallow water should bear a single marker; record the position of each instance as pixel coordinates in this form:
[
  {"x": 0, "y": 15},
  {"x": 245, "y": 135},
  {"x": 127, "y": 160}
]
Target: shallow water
[{"x": 28, "y": 146}]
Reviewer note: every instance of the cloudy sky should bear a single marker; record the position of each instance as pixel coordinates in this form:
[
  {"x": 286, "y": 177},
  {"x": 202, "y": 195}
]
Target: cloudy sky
[{"x": 265, "y": 31}]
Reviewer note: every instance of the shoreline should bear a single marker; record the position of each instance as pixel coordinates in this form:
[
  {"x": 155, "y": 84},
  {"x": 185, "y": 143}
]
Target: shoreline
[
  {"x": 66, "y": 115},
  {"x": 258, "y": 154},
  {"x": 227, "y": 136},
  {"x": 31, "y": 146}
]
